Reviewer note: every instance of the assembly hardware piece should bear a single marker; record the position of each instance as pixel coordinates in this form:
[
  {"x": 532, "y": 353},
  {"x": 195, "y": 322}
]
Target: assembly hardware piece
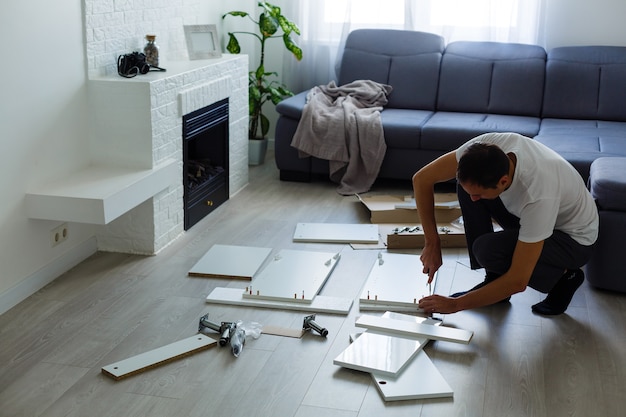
[
  {"x": 309, "y": 323},
  {"x": 225, "y": 329}
]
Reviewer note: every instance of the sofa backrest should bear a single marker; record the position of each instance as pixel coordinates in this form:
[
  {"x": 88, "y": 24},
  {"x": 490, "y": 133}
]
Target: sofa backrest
[
  {"x": 586, "y": 82},
  {"x": 492, "y": 77},
  {"x": 407, "y": 60}
]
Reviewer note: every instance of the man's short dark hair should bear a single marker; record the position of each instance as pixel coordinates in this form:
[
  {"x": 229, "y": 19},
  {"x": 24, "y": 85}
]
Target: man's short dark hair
[{"x": 482, "y": 164}]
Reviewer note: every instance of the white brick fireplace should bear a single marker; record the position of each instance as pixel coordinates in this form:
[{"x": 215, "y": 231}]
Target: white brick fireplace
[
  {"x": 132, "y": 184},
  {"x": 138, "y": 123}
]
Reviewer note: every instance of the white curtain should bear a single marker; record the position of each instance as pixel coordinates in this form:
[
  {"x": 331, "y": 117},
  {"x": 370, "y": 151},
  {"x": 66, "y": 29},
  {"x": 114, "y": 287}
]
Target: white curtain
[{"x": 325, "y": 25}]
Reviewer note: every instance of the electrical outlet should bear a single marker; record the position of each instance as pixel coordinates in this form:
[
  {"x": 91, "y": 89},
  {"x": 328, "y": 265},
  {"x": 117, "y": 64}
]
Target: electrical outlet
[{"x": 59, "y": 234}]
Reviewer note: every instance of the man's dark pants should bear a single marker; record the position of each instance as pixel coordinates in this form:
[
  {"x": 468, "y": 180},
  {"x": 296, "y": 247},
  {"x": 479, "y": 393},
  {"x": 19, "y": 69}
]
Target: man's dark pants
[{"x": 494, "y": 250}]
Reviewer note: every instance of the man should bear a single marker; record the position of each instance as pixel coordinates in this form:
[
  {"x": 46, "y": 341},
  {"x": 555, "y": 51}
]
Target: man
[{"x": 548, "y": 217}]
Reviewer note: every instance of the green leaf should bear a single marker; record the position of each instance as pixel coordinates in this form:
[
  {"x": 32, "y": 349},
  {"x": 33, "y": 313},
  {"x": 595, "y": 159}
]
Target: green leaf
[
  {"x": 235, "y": 13},
  {"x": 268, "y": 25},
  {"x": 233, "y": 44},
  {"x": 265, "y": 125},
  {"x": 292, "y": 47}
]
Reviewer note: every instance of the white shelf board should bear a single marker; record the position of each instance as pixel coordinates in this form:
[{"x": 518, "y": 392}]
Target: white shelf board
[
  {"x": 401, "y": 328},
  {"x": 320, "y": 304},
  {"x": 394, "y": 280},
  {"x": 225, "y": 261},
  {"x": 336, "y": 233},
  {"x": 99, "y": 194},
  {"x": 293, "y": 275},
  {"x": 159, "y": 356},
  {"x": 385, "y": 355},
  {"x": 419, "y": 380}
]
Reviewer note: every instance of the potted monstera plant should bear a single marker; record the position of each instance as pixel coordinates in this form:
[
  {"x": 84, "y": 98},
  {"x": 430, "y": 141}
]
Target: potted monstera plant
[{"x": 263, "y": 86}]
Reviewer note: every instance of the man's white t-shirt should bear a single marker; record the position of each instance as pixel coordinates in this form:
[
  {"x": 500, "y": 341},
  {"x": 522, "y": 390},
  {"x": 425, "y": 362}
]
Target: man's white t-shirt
[{"x": 547, "y": 193}]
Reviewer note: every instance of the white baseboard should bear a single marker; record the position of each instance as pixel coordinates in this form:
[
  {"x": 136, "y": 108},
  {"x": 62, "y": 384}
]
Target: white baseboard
[{"x": 47, "y": 274}]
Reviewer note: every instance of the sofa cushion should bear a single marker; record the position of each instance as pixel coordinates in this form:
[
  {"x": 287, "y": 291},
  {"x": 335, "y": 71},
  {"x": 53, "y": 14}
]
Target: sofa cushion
[
  {"x": 583, "y": 141},
  {"x": 402, "y": 127},
  {"x": 586, "y": 82},
  {"x": 608, "y": 183},
  {"x": 492, "y": 77},
  {"x": 446, "y": 131},
  {"x": 407, "y": 60}
]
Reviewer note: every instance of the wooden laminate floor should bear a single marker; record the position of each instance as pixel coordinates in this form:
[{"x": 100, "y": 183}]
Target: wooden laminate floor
[{"x": 113, "y": 306}]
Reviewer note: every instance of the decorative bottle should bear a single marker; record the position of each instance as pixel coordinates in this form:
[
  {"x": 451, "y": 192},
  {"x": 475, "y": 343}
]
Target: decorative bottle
[{"x": 151, "y": 50}]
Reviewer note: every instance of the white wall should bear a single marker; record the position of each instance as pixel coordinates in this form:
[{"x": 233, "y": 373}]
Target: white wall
[
  {"x": 582, "y": 22},
  {"x": 43, "y": 113}
]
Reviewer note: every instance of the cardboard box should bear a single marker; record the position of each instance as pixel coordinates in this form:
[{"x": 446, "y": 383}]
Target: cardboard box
[
  {"x": 400, "y": 209},
  {"x": 451, "y": 236}
]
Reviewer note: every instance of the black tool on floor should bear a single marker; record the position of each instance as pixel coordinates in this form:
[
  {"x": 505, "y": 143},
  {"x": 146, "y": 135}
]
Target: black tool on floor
[{"x": 309, "y": 323}]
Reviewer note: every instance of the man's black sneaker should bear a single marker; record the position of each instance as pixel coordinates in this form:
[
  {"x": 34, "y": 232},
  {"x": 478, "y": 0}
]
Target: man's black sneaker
[{"x": 560, "y": 296}]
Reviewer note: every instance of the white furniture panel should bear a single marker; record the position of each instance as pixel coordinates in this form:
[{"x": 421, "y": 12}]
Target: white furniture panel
[
  {"x": 293, "y": 275},
  {"x": 320, "y": 304},
  {"x": 395, "y": 280},
  {"x": 383, "y": 354},
  {"x": 158, "y": 356},
  {"x": 230, "y": 262},
  {"x": 418, "y": 331},
  {"x": 419, "y": 380},
  {"x": 336, "y": 233}
]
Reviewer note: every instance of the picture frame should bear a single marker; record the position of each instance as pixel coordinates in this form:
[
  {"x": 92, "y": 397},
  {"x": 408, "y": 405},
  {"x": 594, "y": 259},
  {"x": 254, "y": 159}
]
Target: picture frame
[{"x": 202, "y": 41}]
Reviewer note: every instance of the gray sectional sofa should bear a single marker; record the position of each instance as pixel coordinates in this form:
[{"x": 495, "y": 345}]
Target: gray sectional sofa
[{"x": 573, "y": 99}]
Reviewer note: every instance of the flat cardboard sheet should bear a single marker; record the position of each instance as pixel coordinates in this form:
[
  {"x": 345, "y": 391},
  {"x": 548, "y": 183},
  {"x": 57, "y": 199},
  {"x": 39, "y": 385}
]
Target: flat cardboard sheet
[
  {"x": 402, "y": 209},
  {"x": 224, "y": 261}
]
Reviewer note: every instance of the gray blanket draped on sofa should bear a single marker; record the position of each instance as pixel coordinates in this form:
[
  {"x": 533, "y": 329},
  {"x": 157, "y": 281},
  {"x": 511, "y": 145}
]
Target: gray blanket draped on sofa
[{"x": 342, "y": 125}]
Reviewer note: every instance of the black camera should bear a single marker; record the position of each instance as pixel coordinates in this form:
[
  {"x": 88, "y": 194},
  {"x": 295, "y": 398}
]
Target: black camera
[{"x": 130, "y": 65}]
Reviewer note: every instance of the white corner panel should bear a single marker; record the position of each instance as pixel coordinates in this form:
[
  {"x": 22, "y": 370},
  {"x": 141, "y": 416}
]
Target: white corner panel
[
  {"x": 293, "y": 275},
  {"x": 320, "y": 304},
  {"x": 419, "y": 380},
  {"x": 224, "y": 261},
  {"x": 418, "y": 331},
  {"x": 336, "y": 233}
]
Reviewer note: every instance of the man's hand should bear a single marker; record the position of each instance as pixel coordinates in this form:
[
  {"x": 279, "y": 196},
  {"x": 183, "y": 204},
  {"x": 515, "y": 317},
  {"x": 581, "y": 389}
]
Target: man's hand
[
  {"x": 438, "y": 304},
  {"x": 431, "y": 260}
]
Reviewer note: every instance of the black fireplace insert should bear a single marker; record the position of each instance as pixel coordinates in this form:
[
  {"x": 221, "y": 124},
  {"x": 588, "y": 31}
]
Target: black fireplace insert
[{"x": 205, "y": 161}]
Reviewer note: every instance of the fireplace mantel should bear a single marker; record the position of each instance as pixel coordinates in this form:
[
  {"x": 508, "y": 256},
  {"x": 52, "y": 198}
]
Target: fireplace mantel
[{"x": 136, "y": 152}]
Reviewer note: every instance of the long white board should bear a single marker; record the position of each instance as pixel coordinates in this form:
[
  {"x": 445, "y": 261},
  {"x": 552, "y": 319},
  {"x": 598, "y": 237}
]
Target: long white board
[
  {"x": 158, "y": 356},
  {"x": 418, "y": 331},
  {"x": 336, "y": 233},
  {"x": 320, "y": 304}
]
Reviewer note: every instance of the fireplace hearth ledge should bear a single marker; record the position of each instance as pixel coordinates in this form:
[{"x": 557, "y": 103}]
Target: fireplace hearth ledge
[{"x": 99, "y": 194}]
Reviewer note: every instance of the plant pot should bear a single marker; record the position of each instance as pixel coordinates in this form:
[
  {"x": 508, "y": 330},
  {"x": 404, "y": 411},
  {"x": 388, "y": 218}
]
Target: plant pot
[{"x": 257, "y": 148}]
